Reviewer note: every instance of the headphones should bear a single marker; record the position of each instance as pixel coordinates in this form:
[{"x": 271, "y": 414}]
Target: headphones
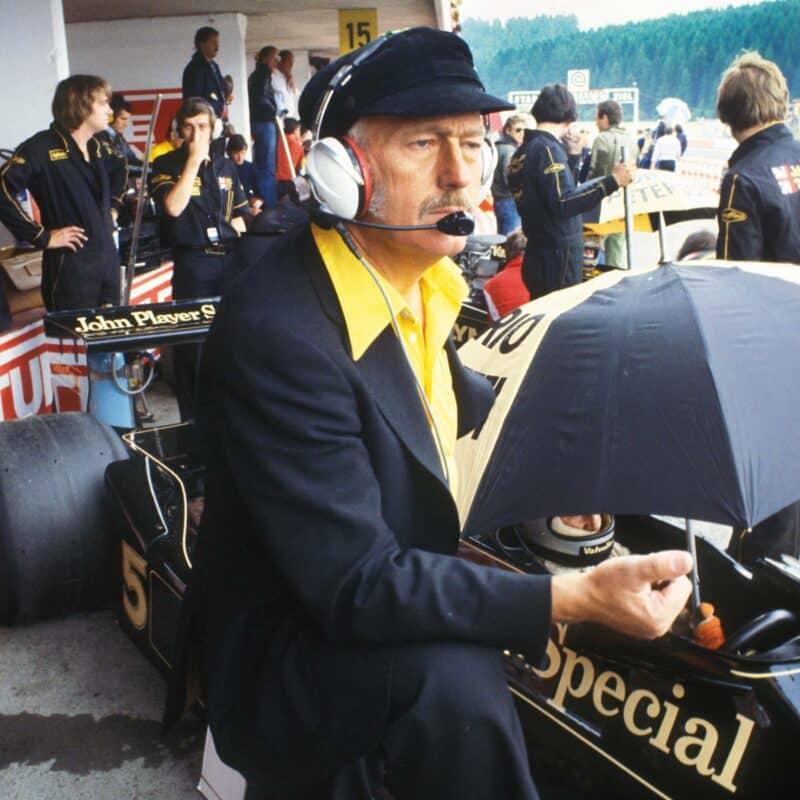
[{"x": 336, "y": 166}]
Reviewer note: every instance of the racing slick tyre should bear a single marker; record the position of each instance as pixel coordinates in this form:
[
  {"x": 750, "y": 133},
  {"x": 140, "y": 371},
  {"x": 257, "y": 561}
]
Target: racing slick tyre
[{"x": 55, "y": 543}]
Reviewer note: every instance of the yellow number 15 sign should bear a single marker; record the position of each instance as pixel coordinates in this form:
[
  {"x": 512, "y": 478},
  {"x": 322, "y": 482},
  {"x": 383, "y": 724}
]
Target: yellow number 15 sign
[{"x": 357, "y": 26}]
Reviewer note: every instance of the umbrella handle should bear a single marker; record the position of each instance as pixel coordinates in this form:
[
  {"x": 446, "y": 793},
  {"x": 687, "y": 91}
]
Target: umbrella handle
[
  {"x": 628, "y": 214},
  {"x": 695, "y": 577}
]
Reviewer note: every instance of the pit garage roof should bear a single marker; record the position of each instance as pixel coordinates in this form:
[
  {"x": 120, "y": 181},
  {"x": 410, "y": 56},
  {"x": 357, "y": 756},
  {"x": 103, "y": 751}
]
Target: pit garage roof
[{"x": 296, "y": 24}]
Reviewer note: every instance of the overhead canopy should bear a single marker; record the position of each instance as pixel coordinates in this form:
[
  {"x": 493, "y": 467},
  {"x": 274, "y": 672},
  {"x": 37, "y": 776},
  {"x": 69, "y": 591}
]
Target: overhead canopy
[{"x": 296, "y": 24}]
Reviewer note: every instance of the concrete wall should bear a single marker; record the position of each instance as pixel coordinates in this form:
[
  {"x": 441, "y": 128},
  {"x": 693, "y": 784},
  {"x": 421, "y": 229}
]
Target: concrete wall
[
  {"x": 34, "y": 60},
  {"x": 141, "y": 55}
]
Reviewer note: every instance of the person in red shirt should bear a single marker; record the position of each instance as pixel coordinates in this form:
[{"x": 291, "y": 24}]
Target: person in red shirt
[
  {"x": 506, "y": 290},
  {"x": 285, "y": 172}
]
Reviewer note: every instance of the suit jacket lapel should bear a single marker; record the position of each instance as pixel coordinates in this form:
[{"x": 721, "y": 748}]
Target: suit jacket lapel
[
  {"x": 390, "y": 382},
  {"x": 384, "y": 370}
]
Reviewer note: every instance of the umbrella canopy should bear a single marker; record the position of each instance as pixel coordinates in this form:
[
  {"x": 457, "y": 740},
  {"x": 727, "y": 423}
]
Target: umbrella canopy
[
  {"x": 674, "y": 111},
  {"x": 668, "y": 391},
  {"x": 652, "y": 192}
]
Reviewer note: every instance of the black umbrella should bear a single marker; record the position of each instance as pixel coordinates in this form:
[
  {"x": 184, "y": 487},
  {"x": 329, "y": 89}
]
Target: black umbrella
[{"x": 669, "y": 391}]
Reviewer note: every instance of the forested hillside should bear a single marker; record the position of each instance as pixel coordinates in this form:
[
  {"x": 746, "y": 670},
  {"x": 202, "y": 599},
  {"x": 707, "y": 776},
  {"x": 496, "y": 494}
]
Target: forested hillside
[{"x": 680, "y": 55}]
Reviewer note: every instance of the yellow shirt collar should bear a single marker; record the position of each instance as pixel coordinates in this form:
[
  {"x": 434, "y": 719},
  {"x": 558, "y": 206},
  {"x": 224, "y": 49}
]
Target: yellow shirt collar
[{"x": 365, "y": 312}]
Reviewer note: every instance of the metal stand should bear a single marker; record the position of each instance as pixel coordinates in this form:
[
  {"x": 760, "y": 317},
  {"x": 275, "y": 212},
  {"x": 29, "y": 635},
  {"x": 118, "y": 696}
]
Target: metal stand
[
  {"x": 137, "y": 220},
  {"x": 628, "y": 217},
  {"x": 661, "y": 242}
]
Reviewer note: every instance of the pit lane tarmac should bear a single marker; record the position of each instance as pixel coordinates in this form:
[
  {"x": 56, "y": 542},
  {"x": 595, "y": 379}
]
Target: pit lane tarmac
[{"x": 80, "y": 711}]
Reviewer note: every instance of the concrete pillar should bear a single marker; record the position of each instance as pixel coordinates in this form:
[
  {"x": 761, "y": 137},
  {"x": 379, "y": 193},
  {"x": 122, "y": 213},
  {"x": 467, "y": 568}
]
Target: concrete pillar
[{"x": 34, "y": 61}]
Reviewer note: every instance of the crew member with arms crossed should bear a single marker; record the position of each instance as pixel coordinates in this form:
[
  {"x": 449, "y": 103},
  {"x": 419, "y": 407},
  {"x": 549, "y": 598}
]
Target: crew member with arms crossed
[
  {"x": 346, "y": 646},
  {"x": 201, "y": 202},
  {"x": 78, "y": 184},
  {"x": 759, "y": 220}
]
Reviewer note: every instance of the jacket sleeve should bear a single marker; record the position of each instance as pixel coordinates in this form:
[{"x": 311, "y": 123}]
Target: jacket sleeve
[
  {"x": 117, "y": 169},
  {"x": 240, "y": 206},
  {"x": 560, "y": 196},
  {"x": 293, "y": 440},
  {"x": 193, "y": 84},
  {"x": 14, "y": 178},
  {"x": 133, "y": 158},
  {"x": 504, "y": 153},
  {"x": 601, "y": 158},
  {"x": 741, "y": 236},
  {"x": 160, "y": 179},
  {"x": 261, "y": 96}
]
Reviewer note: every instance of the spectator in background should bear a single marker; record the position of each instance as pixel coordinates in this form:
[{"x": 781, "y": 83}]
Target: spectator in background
[
  {"x": 227, "y": 128},
  {"x": 237, "y": 150},
  {"x": 114, "y": 134},
  {"x": 173, "y": 141},
  {"x": 680, "y": 133},
  {"x": 506, "y": 290},
  {"x": 202, "y": 77},
  {"x": 505, "y": 209},
  {"x": 283, "y": 85},
  {"x": 606, "y": 153},
  {"x": 646, "y": 146},
  {"x": 289, "y": 164},
  {"x": 228, "y": 81},
  {"x": 263, "y": 111},
  {"x": 759, "y": 220},
  {"x": 667, "y": 151}
]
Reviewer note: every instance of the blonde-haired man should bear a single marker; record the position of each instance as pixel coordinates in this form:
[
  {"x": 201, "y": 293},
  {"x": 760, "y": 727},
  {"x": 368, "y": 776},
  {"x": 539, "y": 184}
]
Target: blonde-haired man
[
  {"x": 759, "y": 213},
  {"x": 78, "y": 183}
]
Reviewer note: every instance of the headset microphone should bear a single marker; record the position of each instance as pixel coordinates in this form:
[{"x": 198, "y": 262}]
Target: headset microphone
[{"x": 456, "y": 224}]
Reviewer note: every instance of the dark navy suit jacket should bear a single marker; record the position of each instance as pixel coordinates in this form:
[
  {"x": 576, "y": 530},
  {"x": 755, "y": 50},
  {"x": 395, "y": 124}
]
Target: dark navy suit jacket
[{"x": 329, "y": 533}]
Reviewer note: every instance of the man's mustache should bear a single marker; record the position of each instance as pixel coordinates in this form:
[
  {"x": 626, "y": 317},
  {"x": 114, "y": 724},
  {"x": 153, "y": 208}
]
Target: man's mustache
[{"x": 447, "y": 202}]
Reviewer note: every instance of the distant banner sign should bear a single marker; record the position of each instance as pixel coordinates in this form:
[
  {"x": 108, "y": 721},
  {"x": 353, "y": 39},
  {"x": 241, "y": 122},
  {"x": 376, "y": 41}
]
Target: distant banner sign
[
  {"x": 594, "y": 96},
  {"x": 521, "y": 99},
  {"x": 357, "y": 27},
  {"x": 582, "y": 98}
]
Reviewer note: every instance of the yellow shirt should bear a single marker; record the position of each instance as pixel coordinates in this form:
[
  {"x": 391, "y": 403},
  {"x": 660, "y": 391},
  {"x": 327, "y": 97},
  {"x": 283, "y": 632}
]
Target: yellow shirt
[
  {"x": 366, "y": 316},
  {"x": 160, "y": 149}
]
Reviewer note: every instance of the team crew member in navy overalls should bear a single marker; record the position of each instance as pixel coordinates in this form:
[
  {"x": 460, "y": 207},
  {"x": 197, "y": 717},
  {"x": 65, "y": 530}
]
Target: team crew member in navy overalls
[
  {"x": 759, "y": 212},
  {"x": 78, "y": 184},
  {"x": 202, "y": 203},
  {"x": 549, "y": 203},
  {"x": 759, "y": 220}
]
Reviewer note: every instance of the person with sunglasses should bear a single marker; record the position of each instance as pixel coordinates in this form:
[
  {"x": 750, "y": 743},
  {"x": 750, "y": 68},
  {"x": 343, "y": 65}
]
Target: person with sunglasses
[{"x": 505, "y": 209}]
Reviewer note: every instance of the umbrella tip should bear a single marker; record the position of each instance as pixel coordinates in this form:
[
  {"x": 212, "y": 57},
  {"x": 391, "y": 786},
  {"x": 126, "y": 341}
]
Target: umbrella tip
[{"x": 708, "y": 631}]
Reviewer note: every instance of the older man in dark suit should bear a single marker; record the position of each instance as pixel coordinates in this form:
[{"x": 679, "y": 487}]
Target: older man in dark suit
[{"x": 347, "y": 648}]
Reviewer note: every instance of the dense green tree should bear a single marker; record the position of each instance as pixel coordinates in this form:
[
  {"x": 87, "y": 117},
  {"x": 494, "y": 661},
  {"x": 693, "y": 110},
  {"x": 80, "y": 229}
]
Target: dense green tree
[{"x": 676, "y": 56}]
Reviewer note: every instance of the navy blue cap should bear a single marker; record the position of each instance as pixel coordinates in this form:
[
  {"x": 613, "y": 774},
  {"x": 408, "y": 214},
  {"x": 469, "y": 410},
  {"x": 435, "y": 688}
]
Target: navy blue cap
[{"x": 417, "y": 72}]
